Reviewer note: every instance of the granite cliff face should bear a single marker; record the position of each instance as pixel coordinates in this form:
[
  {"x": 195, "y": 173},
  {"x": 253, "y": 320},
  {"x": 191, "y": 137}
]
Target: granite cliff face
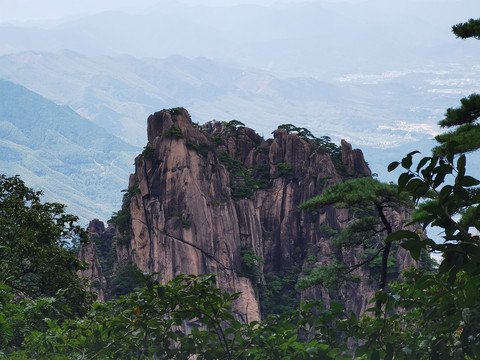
[
  {"x": 204, "y": 196},
  {"x": 90, "y": 253}
]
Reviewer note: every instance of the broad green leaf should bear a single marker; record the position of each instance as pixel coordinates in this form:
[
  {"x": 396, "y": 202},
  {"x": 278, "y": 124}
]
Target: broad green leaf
[
  {"x": 422, "y": 163},
  {"x": 421, "y": 190},
  {"x": 414, "y": 184},
  {"x": 461, "y": 165},
  {"x": 414, "y": 247},
  {"x": 393, "y": 165},
  {"x": 407, "y": 162},
  {"x": 445, "y": 192},
  {"x": 403, "y": 179},
  {"x": 401, "y": 234},
  {"x": 468, "y": 181}
]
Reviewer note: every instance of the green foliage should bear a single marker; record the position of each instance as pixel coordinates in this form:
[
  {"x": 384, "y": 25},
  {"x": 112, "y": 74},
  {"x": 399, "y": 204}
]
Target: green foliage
[
  {"x": 427, "y": 315},
  {"x": 375, "y": 265},
  {"x": 173, "y": 131},
  {"x": 217, "y": 203},
  {"x": 38, "y": 268},
  {"x": 234, "y": 166},
  {"x": 427, "y": 263},
  {"x": 122, "y": 218},
  {"x": 35, "y": 255},
  {"x": 106, "y": 254},
  {"x": 262, "y": 149},
  {"x": 122, "y": 240},
  {"x": 284, "y": 169},
  {"x": 362, "y": 210},
  {"x": 201, "y": 148},
  {"x": 141, "y": 326},
  {"x": 326, "y": 231},
  {"x": 261, "y": 176},
  {"x": 359, "y": 232},
  {"x": 437, "y": 320},
  {"x": 278, "y": 295},
  {"x": 468, "y": 29},
  {"x": 125, "y": 280},
  {"x": 438, "y": 314},
  {"x": 464, "y": 138},
  {"x": 453, "y": 204},
  {"x": 233, "y": 125},
  {"x": 250, "y": 265},
  {"x": 324, "y": 143},
  {"x": 245, "y": 181},
  {"x": 362, "y": 193},
  {"x": 20, "y": 318},
  {"x": 148, "y": 152},
  {"x": 217, "y": 140},
  {"x": 330, "y": 276},
  {"x": 176, "y": 111},
  {"x": 185, "y": 219}
]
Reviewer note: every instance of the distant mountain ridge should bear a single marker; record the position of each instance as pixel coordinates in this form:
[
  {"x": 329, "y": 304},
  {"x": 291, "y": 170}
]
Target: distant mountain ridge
[
  {"x": 386, "y": 114},
  {"x": 316, "y": 38},
  {"x": 54, "y": 149}
]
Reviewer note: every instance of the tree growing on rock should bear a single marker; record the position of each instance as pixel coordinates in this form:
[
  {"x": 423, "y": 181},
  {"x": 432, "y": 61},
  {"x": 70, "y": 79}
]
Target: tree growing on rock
[{"x": 378, "y": 200}]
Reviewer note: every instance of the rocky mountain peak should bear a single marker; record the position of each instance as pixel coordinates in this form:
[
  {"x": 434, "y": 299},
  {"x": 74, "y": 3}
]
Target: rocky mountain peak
[
  {"x": 207, "y": 198},
  {"x": 354, "y": 161}
]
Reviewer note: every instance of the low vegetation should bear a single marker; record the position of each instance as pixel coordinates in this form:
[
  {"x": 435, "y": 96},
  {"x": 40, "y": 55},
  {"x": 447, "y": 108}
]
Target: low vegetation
[{"x": 243, "y": 180}]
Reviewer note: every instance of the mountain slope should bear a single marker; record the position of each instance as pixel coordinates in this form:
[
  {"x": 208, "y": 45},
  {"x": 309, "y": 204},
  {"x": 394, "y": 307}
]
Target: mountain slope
[
  {"x": 395, "y": 110},
  {"x": 55, "y": 150}
]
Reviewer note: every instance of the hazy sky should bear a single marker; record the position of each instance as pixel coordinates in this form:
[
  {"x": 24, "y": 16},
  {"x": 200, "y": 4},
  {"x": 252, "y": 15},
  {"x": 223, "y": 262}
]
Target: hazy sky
[
  {"x": 21, "y": 10},
  {"x": 24, "y": 10}
]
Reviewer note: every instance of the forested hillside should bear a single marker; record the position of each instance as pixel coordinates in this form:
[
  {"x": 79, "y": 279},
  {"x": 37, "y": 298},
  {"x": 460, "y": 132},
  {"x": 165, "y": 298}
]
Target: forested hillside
[{"x": 54, "y": 149}]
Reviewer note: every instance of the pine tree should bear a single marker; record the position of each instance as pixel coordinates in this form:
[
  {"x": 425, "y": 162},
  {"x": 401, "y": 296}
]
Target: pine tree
[
  {"x": 365, "y": 192},
  {"x": 465, "y": 136}
]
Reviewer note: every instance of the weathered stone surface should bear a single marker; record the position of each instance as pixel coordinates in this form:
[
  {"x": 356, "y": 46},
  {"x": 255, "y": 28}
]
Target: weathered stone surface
[
  {"x": 184, "y": 219},
  {"x": 89, "y": 254},
  {"x": 354, "y": 161}
]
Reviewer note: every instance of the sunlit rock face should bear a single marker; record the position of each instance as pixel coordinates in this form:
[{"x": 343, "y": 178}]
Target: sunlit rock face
[{"x": 202, "y": 194}]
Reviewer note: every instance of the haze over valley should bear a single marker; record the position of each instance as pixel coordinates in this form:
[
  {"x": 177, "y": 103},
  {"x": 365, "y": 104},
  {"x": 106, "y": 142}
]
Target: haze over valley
[{"x": 379, "y": 74}]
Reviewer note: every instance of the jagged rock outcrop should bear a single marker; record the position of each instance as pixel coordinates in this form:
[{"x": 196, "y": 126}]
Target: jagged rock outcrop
[
  {"x": 203, "y": 195},
  {"x": 354, "y": 161},
  {"x": 89, "y": 254}
]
